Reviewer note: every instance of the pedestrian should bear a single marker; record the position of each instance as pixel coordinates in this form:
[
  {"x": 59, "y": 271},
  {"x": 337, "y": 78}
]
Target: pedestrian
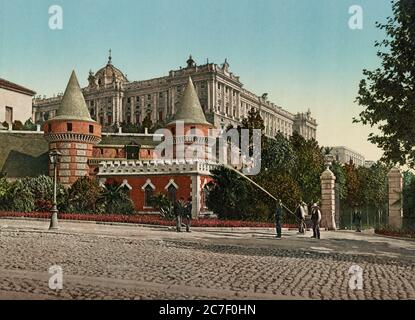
[
  {"x": 301, "y": 213},
  {"x": 178, "y": 212},
  {"x": 357, "y": 220},
  {"x": 188, "y": 215},
  {"x": 278, "y": 218},
  {"x": 316, "y": 218}
]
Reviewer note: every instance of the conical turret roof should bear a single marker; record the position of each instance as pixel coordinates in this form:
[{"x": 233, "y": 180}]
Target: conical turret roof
[
  {"x": 73, "y": 105},
  {"x": 189, "y": 109}
]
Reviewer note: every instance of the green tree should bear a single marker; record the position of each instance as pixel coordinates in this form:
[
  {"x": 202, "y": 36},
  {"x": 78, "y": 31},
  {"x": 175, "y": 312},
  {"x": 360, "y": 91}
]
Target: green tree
[
  {"x": 29, "y": 125},
  {"x": 278, "y": 156},
  {"x": 387, "y": 93},
  {"x": 147, "y": 123},
  {"x": 354, "y": 198},
  {"x": 17, "y": 125},
  {"x": 340, "y": 175},
  {"x": 130, "y": 127},
  {"x": 84, "y": 196},
  {"x": 229, "y": 195},
  {"x": 376, "y": 188},
  {"x": 308, "y": 168}
]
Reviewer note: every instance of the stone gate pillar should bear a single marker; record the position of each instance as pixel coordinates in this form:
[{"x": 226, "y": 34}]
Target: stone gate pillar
[
  {"x": 196, "y": 194},
  {"x": 328, "y": 200},
  {"x": 395, "y": 186}
]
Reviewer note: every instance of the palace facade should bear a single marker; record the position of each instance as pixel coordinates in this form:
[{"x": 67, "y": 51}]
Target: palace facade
[{"x": 112, "y": 99}]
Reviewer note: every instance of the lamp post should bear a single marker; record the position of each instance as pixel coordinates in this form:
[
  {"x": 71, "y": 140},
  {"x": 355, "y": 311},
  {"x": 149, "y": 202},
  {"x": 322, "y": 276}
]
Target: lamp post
[{"x": 54, "y": 157}]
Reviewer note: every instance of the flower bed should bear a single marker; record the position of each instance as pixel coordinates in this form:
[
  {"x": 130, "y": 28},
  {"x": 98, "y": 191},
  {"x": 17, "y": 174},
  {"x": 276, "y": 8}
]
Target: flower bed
[
  {"x": 143, "y": 219},
  {"x": 393, "y": 232}
]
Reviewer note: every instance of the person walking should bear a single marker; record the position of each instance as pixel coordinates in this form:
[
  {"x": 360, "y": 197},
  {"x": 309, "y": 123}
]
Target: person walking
[
  {"x": 316, "y": 218},
  {"x": 278, "y": 219},
  {"x": 357, "y": 220},
  {"x": 301, "y": 213},
  {"x": 188, "y": 215},
  {"x": 178, "y": 212}
]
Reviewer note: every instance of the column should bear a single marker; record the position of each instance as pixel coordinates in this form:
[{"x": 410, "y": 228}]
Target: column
[
  {"x": 395, "y": 186},
  {"x": 196, "y": 194},
  {"x": 328, "y": 200}
]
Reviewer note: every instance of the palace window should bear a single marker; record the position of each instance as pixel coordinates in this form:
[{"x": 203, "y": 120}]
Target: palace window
[
  {"x": 128, "y": 100},
  {"x": 91, "y": 129},
  {"x": 69, "y": 127},
  {"x": 148, "y": 194},
  {"x": 149, "y": 97},
  {"x": 172, "y": 193}
]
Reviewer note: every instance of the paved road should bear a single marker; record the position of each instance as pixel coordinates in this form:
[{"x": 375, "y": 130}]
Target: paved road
[{"x": 124, "y": 262}]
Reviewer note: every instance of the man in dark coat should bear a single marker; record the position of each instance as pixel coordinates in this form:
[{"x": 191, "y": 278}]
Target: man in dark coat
[
  {"x": 178, "y": 212},
  {"x": 316, "y": 218},
  {"x": 278, "y": 219},
  {"x": 188, "y": 216},
  {"x": 357, "y": 220}
]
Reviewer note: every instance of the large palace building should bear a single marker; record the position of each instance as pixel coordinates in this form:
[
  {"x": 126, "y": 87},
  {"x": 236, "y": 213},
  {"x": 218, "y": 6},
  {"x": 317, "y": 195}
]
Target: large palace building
[{"x": 112, "y": 99}]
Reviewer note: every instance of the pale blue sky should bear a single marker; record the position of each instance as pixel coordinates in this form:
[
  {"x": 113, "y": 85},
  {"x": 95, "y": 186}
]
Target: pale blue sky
[{"x": 301, "y": 52}]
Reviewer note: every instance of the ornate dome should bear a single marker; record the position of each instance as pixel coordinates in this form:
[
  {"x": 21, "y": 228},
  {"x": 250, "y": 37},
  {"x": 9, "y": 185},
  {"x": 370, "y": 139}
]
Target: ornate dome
[{"x": 109, "y": 74}]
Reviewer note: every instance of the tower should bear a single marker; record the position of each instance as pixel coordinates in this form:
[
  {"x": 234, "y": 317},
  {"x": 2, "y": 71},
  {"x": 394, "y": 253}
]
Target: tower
[
  {"x": 189, "y": 127},
  {"x": 191, "y": 134},
  {"x": 73, "y": 133}
]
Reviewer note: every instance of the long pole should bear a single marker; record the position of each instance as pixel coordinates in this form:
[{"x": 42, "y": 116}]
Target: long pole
[
  {"x": 54, "y": 218},
  {"x": 261, "y": 188}
]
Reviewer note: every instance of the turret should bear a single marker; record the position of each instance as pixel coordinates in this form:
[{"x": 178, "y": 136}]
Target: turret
[{"x": 73, "y": 133}]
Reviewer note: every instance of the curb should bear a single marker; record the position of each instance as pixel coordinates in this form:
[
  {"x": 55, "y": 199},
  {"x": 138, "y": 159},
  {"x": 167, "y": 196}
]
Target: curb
[{"x": 149, "y": 225}]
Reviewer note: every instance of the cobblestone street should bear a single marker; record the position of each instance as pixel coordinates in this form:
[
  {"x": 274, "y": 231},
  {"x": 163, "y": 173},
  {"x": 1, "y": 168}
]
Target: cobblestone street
[{"x": 131, "y": 262}]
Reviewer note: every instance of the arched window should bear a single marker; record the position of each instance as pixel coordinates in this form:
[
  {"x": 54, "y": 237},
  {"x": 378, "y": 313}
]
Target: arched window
[
  {"x": 148, "y": 194},
  {"x": 171, "y": 193}
]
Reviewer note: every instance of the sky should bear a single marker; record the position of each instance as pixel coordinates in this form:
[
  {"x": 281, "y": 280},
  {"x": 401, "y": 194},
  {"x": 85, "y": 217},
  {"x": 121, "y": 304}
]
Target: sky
[{"x": 301, "y": 52}]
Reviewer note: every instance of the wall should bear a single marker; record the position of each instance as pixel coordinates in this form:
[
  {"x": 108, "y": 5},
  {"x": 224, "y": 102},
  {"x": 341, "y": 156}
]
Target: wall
[
  {"x": 23, "y": 154},
  {"x": 21, "y": 104}
]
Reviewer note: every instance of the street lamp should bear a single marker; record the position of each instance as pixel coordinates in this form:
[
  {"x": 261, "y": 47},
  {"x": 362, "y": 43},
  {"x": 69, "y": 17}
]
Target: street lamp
[{"x": 54, "y": 157}]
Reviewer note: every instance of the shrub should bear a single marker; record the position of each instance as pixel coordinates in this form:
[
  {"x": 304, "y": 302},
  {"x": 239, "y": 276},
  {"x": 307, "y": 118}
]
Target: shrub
[
  {"x": 17, "y": 125},
  {"x": 84, "y": 196},
  {"x": 115, "y": 199},
  {"x": 165, "y": 206}
]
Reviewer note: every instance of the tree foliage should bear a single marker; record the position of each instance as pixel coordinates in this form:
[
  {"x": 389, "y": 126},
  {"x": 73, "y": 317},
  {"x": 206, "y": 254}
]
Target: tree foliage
[
  {"x": 114, "y": 198},
  {"x": 387, "y": 93},
  {"x": 308, "y": 168}
]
